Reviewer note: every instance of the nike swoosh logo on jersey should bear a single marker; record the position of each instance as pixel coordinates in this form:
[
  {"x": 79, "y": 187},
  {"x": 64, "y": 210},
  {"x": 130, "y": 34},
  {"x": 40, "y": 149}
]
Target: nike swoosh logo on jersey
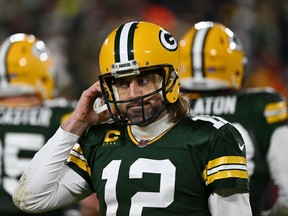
[{"x": 241, "y": 146}]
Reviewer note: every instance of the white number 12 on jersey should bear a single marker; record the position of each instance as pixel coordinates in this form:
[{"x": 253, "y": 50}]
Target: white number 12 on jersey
[{"x": 160, "y": 199}]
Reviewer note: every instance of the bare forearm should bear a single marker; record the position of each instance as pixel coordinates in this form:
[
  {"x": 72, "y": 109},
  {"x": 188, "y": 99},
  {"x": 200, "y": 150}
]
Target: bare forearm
[{"x": 74, "y": 126}]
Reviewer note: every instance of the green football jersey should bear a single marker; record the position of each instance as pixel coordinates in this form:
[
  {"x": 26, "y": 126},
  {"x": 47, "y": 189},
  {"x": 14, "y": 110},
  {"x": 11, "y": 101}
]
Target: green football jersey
[
  {"x": 23, "y": 131},
  {"x": 256, "y": 113},
  {"x": 173, "y": 174}
]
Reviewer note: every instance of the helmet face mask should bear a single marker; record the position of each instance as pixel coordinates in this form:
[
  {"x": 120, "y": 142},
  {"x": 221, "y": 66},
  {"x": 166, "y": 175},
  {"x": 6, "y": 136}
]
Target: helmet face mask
[
  {"x": 110, "y": 92},
  {"x": 26, "y": 67},
  {"x": 134, "y": 50},
  {"x": 212, "y": 58}
]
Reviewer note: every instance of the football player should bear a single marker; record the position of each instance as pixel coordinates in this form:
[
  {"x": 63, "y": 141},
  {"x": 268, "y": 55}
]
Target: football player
[
  {"x": 29, "y": 110},
  {"x": 213, "y": 64},
  {"x": 141, "y": 152}
]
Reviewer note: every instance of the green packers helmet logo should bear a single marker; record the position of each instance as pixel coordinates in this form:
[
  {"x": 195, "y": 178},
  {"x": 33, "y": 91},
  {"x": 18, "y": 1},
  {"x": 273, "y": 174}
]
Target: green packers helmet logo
[{"x": 167, "y": 40}]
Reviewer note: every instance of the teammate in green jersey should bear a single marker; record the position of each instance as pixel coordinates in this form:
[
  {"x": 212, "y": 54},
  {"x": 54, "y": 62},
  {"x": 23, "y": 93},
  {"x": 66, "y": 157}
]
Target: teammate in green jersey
[
  {"x": 213, "y": 62},
  {"x": 141, "y": 152},
  {"x": 28, "y": 115}
]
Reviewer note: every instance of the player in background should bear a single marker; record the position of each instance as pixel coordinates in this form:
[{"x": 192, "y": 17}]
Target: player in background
[
  {"x": 212, "y": 75},
  {"x": 30, "y": 113}
]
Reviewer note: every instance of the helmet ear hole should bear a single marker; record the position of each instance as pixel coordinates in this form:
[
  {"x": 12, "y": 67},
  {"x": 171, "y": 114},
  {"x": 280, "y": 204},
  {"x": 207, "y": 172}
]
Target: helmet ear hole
[
  {"x": 173, "y": 87},
  {"x": 173, "y": 75}
]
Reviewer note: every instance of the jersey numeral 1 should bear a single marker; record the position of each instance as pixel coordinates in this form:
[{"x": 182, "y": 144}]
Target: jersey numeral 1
[{"x": 160, "y": 199}]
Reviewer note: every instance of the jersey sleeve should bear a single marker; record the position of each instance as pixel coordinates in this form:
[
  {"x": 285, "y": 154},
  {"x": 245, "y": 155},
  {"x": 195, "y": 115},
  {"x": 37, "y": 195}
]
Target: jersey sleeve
[
  {"x": 78, "y": 163},
  {"x": 226, "y": 162},
  {"x": 275, "y": 107}
]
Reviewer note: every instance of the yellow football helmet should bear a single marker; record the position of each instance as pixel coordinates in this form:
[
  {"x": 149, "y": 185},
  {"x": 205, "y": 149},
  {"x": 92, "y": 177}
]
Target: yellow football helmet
[
  {"x": 135, "y": 48},
  {"x": 212, "y": 57},
  {"x": 26, "y": 67}
]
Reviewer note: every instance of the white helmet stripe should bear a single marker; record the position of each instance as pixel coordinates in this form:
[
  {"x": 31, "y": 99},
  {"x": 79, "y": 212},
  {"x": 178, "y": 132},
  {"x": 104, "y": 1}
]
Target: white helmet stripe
[
  {"x": 197, "y": 50},
  {"x": 124, "y": 42},
  {"x": 3, "y": 52},
  {"x": 123, "y": 49}
]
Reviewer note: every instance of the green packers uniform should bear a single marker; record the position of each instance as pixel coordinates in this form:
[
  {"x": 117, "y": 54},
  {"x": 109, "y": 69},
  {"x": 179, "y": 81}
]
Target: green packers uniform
[
  {"x": 173, "y": 174},
  {"x": 23, "y": 131},
  {"x": 256, "y": 113}
]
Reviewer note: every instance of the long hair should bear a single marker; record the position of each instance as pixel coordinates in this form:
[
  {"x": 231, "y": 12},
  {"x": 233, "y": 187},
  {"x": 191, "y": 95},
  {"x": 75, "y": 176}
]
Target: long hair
[{"x": 178, "y": 109}]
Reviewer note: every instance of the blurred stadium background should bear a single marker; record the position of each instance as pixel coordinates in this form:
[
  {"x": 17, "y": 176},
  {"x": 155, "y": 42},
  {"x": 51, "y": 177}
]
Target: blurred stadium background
[{"x": 75, "y": 29}]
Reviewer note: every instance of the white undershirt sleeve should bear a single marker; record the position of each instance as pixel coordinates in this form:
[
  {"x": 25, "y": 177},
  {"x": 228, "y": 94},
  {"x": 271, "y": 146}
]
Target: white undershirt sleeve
[
  {"x": 237, "y": 205},
  {"x": 47, "y": 183},
  {"x": 277, "y": 158}
]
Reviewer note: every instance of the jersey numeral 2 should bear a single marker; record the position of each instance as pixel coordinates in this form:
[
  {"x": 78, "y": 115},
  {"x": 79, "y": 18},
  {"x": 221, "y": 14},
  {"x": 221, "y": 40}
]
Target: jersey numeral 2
[{"x": 160, "y": 199}]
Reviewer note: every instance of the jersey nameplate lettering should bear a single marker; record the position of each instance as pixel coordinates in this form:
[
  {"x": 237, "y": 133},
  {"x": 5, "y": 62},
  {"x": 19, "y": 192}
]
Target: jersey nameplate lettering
[
  {"x": 216, "y": 105},
  {"x": 25, "y": 116}
]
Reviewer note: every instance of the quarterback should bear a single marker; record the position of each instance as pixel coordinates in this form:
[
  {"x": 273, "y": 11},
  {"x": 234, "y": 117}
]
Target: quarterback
[{"x": 144, "y": 154}]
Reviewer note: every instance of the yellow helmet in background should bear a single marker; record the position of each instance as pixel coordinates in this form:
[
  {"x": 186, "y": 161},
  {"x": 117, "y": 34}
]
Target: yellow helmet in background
[
  {"x": 26, "y": 67},
  {"x": 212, "y": 57},
  {"x": 135, "y": 48}
]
